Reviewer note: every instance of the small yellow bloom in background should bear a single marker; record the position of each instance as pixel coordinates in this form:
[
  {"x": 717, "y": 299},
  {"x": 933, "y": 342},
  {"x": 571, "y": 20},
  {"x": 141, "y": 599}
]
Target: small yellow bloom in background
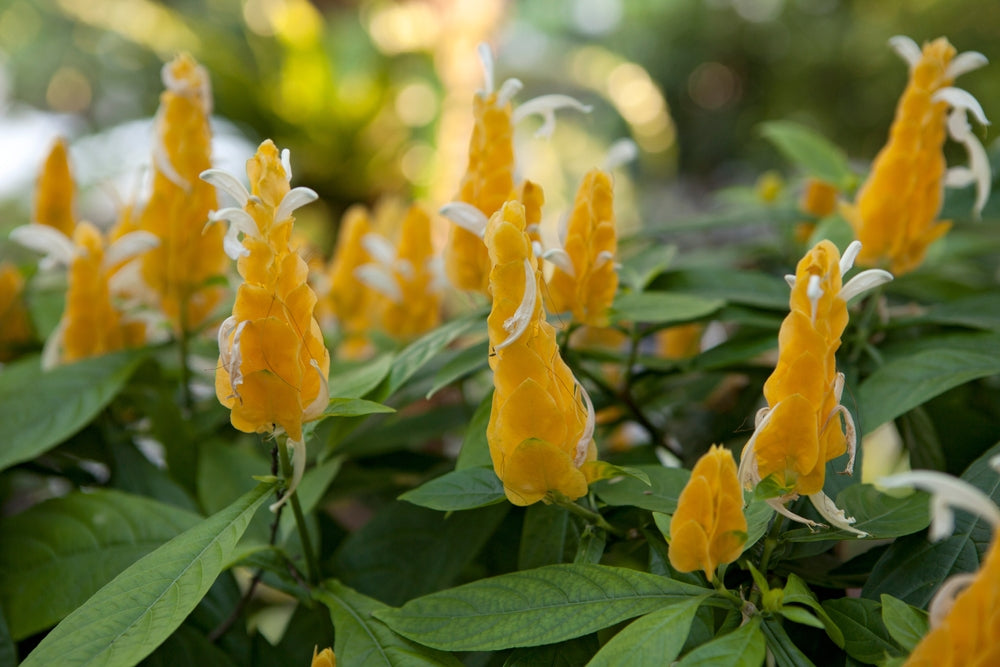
[
  {"x": 681, "y": 341},
  {"x": 895, "y": 212},
  {"x": 273, "y": 365},
  {"x": 769, "y": 187},
  {"x": 349, "y": 300},
  {"x": 709, "y": 528},
  {"x": 801, "y": 428},
  {"x": 189, "y": 254},
  {"x": 92, "y": 323},
  {"x": 541, "y": 426},
  {"x": 15, "y": 327},
  {"x": 586, "y": 282},
  {"x": 55, "y": 191},
  {"x": 324, "y": 658},
  {"x": 818, "y": 200}
]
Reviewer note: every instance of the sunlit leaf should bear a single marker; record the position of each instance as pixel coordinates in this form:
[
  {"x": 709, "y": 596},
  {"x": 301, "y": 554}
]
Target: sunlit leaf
[{"x": 807, "y": 149}]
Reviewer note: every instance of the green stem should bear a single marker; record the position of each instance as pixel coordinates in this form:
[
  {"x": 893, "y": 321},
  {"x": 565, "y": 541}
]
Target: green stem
[
  {"x": 770, "y": 543},
  {"x": 725, "y": 592},
  {"x": 587, "y": 515},
  {"x": 312, "y": 569},
  {"x": 182, "y": 344}
]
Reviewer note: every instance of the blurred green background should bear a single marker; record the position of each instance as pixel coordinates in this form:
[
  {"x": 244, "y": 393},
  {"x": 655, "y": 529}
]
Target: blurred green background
[{"x": 373, "y": 97}]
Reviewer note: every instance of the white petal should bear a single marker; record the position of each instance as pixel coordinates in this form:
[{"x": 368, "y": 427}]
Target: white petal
[
  {"x": 995, "y": 462},
  {"x": 814, "y": 291},
  {"x": 286, "y": 163},
  {"x": 850, "y": 254},
  {"x": 298, "y": 452},
  {"x": 965, "y": 62},
  {"x": 863, "y": 282},
  {"x": 486, "y": 58},
  {"x": 516, "y": 324},
  {"x": 236, "y": 361},
  {"x": 226, "y": 329},
  {"x": 466, "y": 216},
  {"x": 379, "y": 248},
  {"x": 957, "y": 98},
  {"x": 239, "y": 221},
  {"x": 508, "y": 89},
  {"x": 536, "y": 249},
  {"x": 52, "y": 350},
  {"x": 381, "y": 280},
  {"x": 47, "y": 240},
  {"x": 829, "y": 511},
  {"x": 952, "y": 491},
  {"x": 583, "y": 444},
  {"x": 790, "y": 279},
  {"x": 228, "y": 183},
  {"x": 603, "y": 258},
  {"x": 439, "y": 281},
  {"x": 318, "y": 405},
  {"x": 546, "y": 106},
  {"x": 621, "y": 152},
  {"x": 128, "y": 246},
  {"x": 959, "y": 177},
  {"x": 560, "y": 258},
  {"x": 944, "y": 599},
  {"x": 162, "y": 163},
  {"x": 906, "y": 48},
  {"x": 404, "y": 268},
  {"x": 295, "y": 198},
  {"x": 978, "y": 170},
  {"x": 778, "y": 505}
]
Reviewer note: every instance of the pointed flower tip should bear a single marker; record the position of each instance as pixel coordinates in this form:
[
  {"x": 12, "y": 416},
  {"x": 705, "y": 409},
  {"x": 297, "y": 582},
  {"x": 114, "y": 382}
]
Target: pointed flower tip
[
  {"x": 486, "y": 58},
  {"x": 906, "y": 48},
  {"x": 228, "y": 183},
  {"x": 620, "y": 153},
  {"x": 546, "y": 106},
  {"x": 466, "y": 216}
]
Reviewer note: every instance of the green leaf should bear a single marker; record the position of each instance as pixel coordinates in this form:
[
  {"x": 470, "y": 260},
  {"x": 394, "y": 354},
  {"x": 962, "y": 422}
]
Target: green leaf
[
  {"x": 640, "y": 269},
  {"x": 797, "y": 592},
  {"x": 129, "y": 617},
  {"x": 468, "y": 361},
  {"x": 363, "y": 640},
  {"x": 548, "y": 536},
  {"x": 571, "y": 653},
  {"x": 55, "y": 555},
  {"x": 904, "y": 383},
  {"x": 8, "y": 652},
  {"x": 226, "y": 471},
  {"x": 41, "y": 411},
  {"x": 749, "y": 288},
  {"x": 191, "y": 648},
  {"x": 786, "y": 653},
  {"x": 743, "y": 647},
  {"x": 602, "y": 470},
  {"x": 360, "y": 378},
  {"x": 656, "y": 638},
  {"x": 406, "y": 551},
  {"x": 662, "y": 307},
  {"x": 979, "y": 311},
  {"x": 464, "y": 489},
  {"x": 475, "y": 450},
  {"x": 353, "y": 407},
  {"x": 535, "y": 607},
  {"x": 906, "y": 624},
  {"x": 660, "y": 495},
  {"x": 878, "y": 514},
  {"x": 807, "y": 149},
  {"x": 801, "y": 616},
  {"x": 758, "y": 515},
  {"x": 590, "y": 547},
  {"x": 865, "y": 636},
  {"x": 422, "y": 350}
]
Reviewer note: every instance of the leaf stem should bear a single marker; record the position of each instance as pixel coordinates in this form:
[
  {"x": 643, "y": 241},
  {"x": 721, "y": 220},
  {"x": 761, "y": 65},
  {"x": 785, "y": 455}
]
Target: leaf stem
[
  {"x": 590, "y": 516},
  {"x": 312, "y": 569}
]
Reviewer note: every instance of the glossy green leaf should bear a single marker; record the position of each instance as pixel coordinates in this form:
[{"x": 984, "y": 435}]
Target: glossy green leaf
[
  {"x": 422, "y": 350},
  {"x": 354, "y": 407},
  {"x": 358, "y": 379},
  {"x": 786, "y": 653},
  {"x": 750, "y": 288},
  {"x": 535, "y": 607},
  {"x": 191, "y": 648},
  {"x": 801, "y": 616},
  {"x": 640, "y": 269},
  {"x": 878, "y": 514},
  {"x": 906, "y": 624},
  {"x": 570, "y": 653},
  {"x": 660, "y": 495},
  {"x": 904, "y": 383},
  {"x": 363, "y": 640},
  {"x": 55, "y": 555},
  {"x": 743, "y": 647},
  {"x": 979, "y": 311},
  {"x": 548, "y": 536},
  {"x": 662, "y": 307},
  {"x": 475, "y": 450},
  {"x": 810, "y": 151},
  {"x": 129, "y": 617},
  {"x": 8, "y": 652},
  {"x": 468, "y": 361},
  {"x": 464, "y": 489},
  {"x": 758, "y": 515},
  {"x": 40, "y": 411},
  {"x": 656, "y": 638},
  {"x": 797, "y": 592},
  {"x": 865, "y": 636}
]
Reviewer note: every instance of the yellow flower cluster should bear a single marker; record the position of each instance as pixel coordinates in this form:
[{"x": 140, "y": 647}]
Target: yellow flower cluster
[
  {"x": 800, "y": 429},
  {"x": 895, "y": 212},
  {"x": 273, "y": 364},
  {"x": 709, "y": 528},
  {"x": 348, "y": 301},
  {"x": 55, "y": 191},
  {"x": 541, "y": 426},
  {"x": 324, "y": 658}
]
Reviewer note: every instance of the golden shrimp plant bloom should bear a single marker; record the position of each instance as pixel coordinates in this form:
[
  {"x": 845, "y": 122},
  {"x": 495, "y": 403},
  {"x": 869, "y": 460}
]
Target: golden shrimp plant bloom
[
  {"x": 188, "y": 254},
  {"x": 965, "y": 611},
  {"x": 55, "y": 191},
  {"x": 324, "y": 658},
  {"x": 709, "y": 527},
  {"x": 895, "y": 212},
  {"x": 586, "y": 281},
  {"x": 541, "y": 426},
  {"x": 350, "y": 302},
  {"x": 273, "y": 364},
  {"x": 15, "y": 327},
  {"x": 92, "y": 323},
  {"x": 801, "y": 429}
]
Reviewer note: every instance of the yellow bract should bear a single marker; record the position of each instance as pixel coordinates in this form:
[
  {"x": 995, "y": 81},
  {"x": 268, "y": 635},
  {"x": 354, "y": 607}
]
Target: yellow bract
[
  {"x": 15, "y": 328},
  {"x": 324, "y": 658},
  {"x": 418, "y": 309},
  {"x": 273, "y": 364},
  {"x": 709, "y": 528},
  {"x": 487, "y": 184},
  {"x": 968, "y": 633},
  {"x": 591, "y": 244},
  {"x": 54, "y": 192},
  {"x": 348, "y": 299},
  {"x": 541, "y": 426},
  {"x": 179, "y": 205}
]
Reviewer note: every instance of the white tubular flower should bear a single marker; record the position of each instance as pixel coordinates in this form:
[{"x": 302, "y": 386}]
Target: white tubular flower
[
  {"x": 516, "y": 324},
  {"x": 466, "y": 216},
  {"x": 947, "y": 494}
]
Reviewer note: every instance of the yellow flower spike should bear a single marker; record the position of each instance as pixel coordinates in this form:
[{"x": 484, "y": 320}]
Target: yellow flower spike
[
  {"x": 15, "y": 327},
  {"x": 541, "y": 427},
  {"x": 681, "y": 341},
  {"x": 533, "y": 198},
  {"x": 709, "y": 528},
  {"x": 55, "y": 191},
  {"x": 418, "y": 308},
  {"x": 324, "y": 658},
  {"x": 819, "y": 198},
  {"x": 273, "y": 365},
  {"x": 895, "y": 212},
  {"x": 349, "y": 301},
  {"x": 189, "y": 254},
  {"x": 586, "y": 283},
  {"x": 801, "y": 428}
]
